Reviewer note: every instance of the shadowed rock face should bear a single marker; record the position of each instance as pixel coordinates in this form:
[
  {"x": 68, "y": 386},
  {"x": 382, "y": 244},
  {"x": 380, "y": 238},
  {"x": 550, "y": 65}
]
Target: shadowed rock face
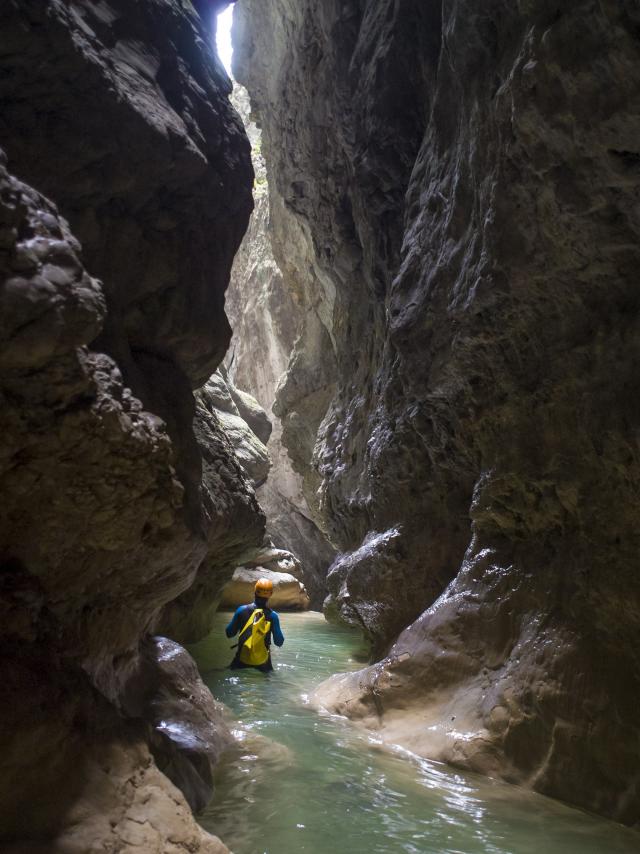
[
  {"x": 156, "y": 172},
  {"x": 466, "y": 175},
  {"x": 233, "y": 458},
  {"x": 163, "y": 122},
  {"x": 119, "y": 112},
  {"x": 188, "y": 731},
  {"x": 337, "y": 210}
]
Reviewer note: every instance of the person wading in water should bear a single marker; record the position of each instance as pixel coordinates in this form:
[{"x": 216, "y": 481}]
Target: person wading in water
[{"x": 258, "y": 626}]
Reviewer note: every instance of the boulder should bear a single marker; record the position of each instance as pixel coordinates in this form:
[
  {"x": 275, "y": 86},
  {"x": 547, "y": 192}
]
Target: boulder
[
  {"x": 288, "y": 592},
  {"x": 216, "y": 401},
  {"x": 276, "y": 560},
  {"x": 250, "y": 411},
  {"x": 188, "y": 729}
]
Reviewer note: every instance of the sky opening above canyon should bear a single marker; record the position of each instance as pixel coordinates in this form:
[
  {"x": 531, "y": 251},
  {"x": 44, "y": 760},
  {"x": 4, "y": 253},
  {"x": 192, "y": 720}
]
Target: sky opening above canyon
[{"x": 223, "y": 38}]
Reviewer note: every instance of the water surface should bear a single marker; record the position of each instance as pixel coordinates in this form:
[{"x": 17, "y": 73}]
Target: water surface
[{"x": 303, "y": 782}]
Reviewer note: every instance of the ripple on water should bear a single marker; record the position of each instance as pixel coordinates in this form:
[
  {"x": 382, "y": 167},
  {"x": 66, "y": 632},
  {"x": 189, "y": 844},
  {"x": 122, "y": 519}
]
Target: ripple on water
[{"x": 302, "y": 782}]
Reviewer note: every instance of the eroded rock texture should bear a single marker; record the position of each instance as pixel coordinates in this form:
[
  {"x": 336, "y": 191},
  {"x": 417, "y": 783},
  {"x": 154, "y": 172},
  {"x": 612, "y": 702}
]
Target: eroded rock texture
[
  {"x": 465, "y": 175},
  {"x": 282, "y": 568},
  {"x": 234, "y": 410},
  {"x": 234, "y": 460},
  {"x": 288, "y": 592},
  {"x": 188, "y": 728},
  {"x": 119, "y": 112},
  {"x": 272, "y": 312}
]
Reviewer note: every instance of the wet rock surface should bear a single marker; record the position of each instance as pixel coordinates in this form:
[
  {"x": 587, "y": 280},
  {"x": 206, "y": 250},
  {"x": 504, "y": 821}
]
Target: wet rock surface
[
  {"x": 113, "y": 503},
  {"x": 189, "y": 733},
  {"x": 77, "y": 777},
  {"x": 465, "y": 180},
  {"x": 362, "y": 592}
]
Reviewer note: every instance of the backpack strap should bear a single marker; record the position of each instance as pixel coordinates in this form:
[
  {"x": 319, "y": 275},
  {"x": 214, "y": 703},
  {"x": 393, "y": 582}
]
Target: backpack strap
[{"x": 245, "y": 634}]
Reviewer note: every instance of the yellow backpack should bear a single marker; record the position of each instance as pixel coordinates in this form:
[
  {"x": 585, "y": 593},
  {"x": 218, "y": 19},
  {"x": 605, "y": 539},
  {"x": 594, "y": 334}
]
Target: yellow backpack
[{"x": 252, "y": 648}]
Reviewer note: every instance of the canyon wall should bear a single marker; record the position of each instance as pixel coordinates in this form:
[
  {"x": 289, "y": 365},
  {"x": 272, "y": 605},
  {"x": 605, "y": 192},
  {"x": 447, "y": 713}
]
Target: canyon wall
[
  {"x": 456, "y": 185},
  {"x": 118, "y": 493},
  {"x": 271, "y": 313}
]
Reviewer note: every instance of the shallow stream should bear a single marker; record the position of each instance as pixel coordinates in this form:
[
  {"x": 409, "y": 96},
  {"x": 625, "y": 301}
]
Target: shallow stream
[{"x": 303, "y": 782}]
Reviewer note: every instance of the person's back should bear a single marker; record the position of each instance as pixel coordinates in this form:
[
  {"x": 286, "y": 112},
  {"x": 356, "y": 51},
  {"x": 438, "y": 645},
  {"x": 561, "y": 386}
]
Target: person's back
[{"x": 257, "y": 625}]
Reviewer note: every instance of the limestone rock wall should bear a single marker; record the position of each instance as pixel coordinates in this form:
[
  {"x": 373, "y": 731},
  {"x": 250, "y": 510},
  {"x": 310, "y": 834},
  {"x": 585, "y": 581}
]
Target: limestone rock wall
[
  {"x": 188, "y": 731},
  {"x": 270, "y": 310},
  {"x": 112, "y": 503},
  {"x": 220, "y": 398},
  {"x": 465, "y": 177},
  {"x": 232, "y": 454}
]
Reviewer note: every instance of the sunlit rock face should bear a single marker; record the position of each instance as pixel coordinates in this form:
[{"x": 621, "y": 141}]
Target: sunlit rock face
[
  {"x": 272, "y": 313},
  {"x": 466, "y": 175},
  {"x": 112, "y": 502},
  {"x": 220, "y": 399},
  {"x": 279, "y": 566},
  {"x": 288, "y": 591}
]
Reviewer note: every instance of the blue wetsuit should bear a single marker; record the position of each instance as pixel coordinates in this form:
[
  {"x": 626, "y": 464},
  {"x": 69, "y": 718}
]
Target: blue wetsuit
[{"x": 238, "y": 622}]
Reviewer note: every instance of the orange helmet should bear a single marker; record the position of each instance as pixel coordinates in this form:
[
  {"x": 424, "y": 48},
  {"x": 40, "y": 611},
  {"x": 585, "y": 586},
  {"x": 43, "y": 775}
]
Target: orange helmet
[{"x": 263, "y": 588}]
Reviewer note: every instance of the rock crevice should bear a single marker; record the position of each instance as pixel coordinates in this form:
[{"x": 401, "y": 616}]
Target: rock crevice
[{"x": 277, "y": 326}]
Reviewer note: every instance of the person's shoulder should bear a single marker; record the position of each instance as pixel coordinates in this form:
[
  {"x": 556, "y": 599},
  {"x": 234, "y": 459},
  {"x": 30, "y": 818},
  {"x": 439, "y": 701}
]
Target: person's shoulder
[
  {"x": 242, "y": 608},
  {"x": 275, "y": 614}
]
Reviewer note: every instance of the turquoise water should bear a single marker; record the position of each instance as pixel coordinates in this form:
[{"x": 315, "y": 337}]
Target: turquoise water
[{"x": 303, "y": 782}]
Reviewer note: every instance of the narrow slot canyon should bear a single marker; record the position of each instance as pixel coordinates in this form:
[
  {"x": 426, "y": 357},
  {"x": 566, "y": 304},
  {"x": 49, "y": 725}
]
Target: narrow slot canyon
[{"x": 320, "y": 316}]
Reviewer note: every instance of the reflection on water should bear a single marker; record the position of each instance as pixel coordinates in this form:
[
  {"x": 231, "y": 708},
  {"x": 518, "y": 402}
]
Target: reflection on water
[{"x": 300, "y": 782}]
